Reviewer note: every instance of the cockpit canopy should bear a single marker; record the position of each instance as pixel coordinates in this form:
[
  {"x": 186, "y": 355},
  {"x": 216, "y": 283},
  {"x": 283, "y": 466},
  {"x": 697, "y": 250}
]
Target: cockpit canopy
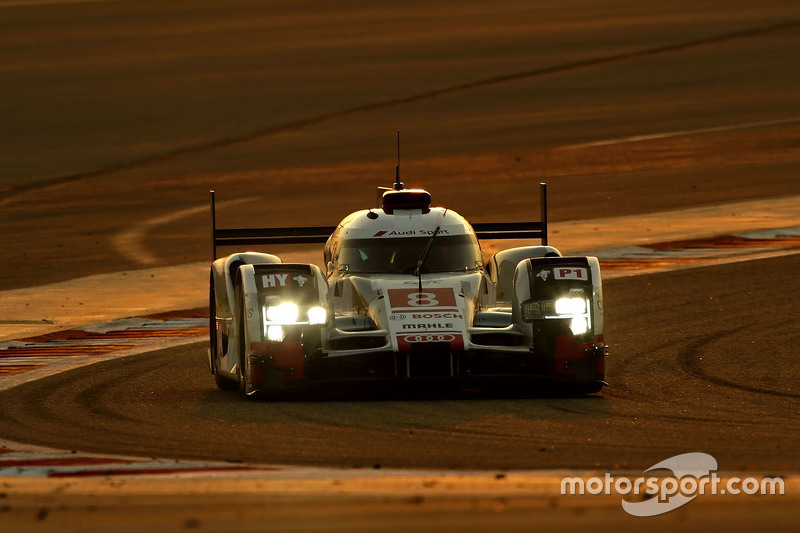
[{"x": 448, "y": 253}]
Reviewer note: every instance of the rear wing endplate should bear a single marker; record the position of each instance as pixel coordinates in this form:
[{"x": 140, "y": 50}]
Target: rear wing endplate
[
  {"x": 261, "y": 236},
  {"x": 320, "y": 234},
  {"x": 517, "y": 230}
]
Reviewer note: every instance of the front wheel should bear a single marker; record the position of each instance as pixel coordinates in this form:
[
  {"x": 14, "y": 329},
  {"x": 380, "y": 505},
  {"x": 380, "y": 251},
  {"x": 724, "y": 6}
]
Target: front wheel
[
  {"x": 224, "y": 383},
  {"x": 583, "y": 388},
  {"x": 242, "y": 369}
]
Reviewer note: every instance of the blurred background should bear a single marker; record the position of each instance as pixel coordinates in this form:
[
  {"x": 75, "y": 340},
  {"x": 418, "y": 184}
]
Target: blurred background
[{"x": 121, "y": 115}]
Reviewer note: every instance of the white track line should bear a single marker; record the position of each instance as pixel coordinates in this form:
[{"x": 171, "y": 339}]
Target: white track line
[
  {"x": 96, "y": 299},
  {"x": 613, "y": 273},
  {"x": 130, "y": 243},
  {"x": 682, "y": 133},
  {"x": 32, "y": 3}
]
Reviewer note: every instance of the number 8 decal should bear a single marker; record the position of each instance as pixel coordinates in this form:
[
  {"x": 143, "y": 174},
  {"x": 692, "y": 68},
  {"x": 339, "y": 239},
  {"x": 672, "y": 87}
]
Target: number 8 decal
[{"x": 422, "y": 299}]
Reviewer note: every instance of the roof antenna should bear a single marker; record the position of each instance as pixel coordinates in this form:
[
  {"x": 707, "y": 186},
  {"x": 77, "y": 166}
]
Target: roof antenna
[{"x": 398, "y": 185}]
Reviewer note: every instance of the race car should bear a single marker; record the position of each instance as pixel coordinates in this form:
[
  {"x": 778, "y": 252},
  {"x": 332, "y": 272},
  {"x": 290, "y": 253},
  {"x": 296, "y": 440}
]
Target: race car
[{"x": 405, "y": 297}]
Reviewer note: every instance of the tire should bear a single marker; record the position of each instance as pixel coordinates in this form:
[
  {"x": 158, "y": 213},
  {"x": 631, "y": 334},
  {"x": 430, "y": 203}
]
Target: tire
[
  {"x": 241, "y": 355},
  {"x": 584, "y": 388},
  {"x": 592, "y": 387},
  {"x": 223, "y": 383},
  {"x": 212, "y": 325}
]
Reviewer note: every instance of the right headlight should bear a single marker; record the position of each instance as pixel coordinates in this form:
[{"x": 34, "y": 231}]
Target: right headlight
[
  {"x": 579, "y": 325},
  {"x": 317, "y": 315},
  {"x": 571, "y": 306},
  {"x": 576, "y": 309}
]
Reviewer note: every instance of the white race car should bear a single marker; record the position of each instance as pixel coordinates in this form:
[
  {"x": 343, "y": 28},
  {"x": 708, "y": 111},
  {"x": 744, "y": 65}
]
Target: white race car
[{"x": 406, "y": 297}]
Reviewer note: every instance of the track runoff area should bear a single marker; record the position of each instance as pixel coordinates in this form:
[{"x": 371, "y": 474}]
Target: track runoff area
[{"x": 55, "y": 330}]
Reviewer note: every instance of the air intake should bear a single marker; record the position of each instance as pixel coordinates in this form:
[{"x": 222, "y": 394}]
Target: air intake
[{"x": 406, "y": 199}]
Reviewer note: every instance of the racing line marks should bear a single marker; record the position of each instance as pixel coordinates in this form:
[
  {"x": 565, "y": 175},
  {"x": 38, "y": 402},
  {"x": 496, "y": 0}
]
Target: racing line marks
[
  {"x": 130, "y": 243},
  {"x": 402, "y": 100},
  {"x": 690, "y": 361},
  {"x": 633, "y": 260},
  {"x": 118, "y": 338},
  {"x": 34, "y": 357},
  {"x": 683, "y": 133}
]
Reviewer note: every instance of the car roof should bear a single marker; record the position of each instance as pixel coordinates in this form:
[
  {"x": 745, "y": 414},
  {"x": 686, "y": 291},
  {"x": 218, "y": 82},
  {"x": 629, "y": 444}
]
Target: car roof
[{"x": 403, "y": 223}]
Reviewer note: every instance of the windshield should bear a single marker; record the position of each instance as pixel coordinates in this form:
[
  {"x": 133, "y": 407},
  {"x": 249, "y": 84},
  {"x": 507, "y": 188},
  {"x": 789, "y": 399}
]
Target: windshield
[{"x": 454, "y": 253}]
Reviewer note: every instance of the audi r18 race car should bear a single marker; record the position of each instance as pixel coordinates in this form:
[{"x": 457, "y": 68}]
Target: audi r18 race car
[{"x": 405, "y": 297}]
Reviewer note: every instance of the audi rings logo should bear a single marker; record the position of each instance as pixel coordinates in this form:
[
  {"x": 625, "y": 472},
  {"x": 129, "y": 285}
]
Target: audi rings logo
[
  {"x": 398, "y": 317},
  {"x": 429, "y": 337}
]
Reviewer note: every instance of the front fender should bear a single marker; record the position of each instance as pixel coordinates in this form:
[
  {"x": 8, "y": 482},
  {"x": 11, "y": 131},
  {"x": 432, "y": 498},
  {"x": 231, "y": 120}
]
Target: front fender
[
  {"x": 558, "y": 301},
  {"x": 274, "y": 345},
  {"x": 223, "y": 276},
  {"x": 503, "y": 264}
]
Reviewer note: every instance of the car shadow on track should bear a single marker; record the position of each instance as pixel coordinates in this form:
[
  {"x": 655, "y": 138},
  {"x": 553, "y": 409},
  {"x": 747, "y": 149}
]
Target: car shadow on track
[{"x": 430, "y": 390}]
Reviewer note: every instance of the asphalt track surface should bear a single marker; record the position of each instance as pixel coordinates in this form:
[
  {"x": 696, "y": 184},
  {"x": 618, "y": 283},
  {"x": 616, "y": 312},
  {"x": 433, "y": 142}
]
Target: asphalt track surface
[
  {"x": 119, "y": 115},
  {"x": 699, "y": 363},
  {"x": 123, "y": 115}
]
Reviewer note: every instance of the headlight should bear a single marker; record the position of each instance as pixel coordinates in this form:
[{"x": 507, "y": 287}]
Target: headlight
[
  {"x": 571, "y": 306},
  {"x": 575, "y": 309},
  {"x": 275, "y": 333},
  {"x": 579, "y": 325},
  {"x": 536, "y": 310},
  {"x": 285, "y": 313},
  {"x": 317, "y": 315},
  {"x": 278, "y": 316}
]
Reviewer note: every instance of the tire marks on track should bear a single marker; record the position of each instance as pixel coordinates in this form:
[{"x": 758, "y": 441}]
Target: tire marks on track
[
  {"x": 301, "y": 123},
  {"x": 699, "y": 252},
  {"x": 691, "y": 361},
  {"x": 119, "y": 338}
]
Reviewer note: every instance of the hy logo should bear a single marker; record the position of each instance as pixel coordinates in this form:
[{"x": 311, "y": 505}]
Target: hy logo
[
  {"x": 543, "y": 274},
  {"x": 695, "y": 464}
]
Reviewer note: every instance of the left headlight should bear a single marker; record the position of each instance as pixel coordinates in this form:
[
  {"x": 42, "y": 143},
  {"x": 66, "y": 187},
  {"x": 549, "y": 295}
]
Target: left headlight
[
  {"x": 284, "y": 313},
  {"x": 289, "y": 313},
  {"x": 275, "y": 333}
]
